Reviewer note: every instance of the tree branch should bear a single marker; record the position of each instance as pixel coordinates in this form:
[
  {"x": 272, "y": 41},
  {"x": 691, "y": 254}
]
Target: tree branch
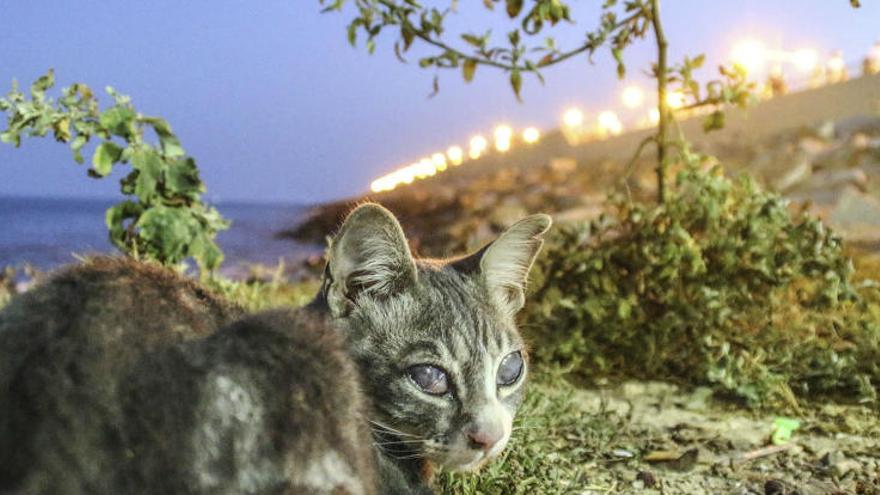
[{"x": 662, "y": 106}]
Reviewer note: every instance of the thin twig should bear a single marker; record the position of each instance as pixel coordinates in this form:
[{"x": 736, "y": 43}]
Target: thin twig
[
  {"x": 762, "y": 452},
  {"x": 588, "y": 46}
]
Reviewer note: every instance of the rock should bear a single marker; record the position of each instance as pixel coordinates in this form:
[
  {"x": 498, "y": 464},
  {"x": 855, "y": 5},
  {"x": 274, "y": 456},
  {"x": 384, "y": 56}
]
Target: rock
[
  {"x": 813, "y": 145},
  {"x": 857, "y": 215},
  {"x": 647, "y": 479},
  {"x": 793, "y": 176},
  {"x": 774, "y": 487}
]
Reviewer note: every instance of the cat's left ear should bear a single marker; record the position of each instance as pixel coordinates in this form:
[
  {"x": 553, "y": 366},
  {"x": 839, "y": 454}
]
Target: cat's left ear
[{"x": 505, "y": 263}]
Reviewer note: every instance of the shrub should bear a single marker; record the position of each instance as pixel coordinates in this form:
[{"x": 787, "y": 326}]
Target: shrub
[
  {"x": 165, "y": 219},
  {"x": 721, "y": 284}
]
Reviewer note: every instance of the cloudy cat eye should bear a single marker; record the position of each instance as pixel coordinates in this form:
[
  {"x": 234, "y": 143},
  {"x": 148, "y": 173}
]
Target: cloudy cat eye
[
  {"x": 510, "y": 369},
  {"x": 430, "y": 379}
]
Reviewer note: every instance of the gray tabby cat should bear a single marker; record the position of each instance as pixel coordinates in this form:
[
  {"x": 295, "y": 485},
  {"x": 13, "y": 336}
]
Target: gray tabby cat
[{"x": 121, "y": 377}]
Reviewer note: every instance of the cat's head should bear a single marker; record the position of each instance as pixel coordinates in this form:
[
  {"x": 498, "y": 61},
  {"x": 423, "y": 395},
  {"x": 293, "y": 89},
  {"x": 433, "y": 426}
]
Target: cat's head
[{"x": 439, "y": 352}]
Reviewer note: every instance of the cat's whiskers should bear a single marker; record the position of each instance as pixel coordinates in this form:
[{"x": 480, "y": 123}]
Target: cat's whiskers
[
  {"x": 388, "y": 429},
  {"x": 417, "y": 441}
]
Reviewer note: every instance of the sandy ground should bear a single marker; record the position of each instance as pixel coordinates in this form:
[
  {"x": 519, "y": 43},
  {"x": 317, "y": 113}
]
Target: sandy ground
[{"x": 688, "y": 444}]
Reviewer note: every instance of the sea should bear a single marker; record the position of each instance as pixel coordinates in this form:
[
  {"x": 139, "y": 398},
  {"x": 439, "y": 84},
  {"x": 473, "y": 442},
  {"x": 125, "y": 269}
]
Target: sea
[{"x": 48, "y": 232}]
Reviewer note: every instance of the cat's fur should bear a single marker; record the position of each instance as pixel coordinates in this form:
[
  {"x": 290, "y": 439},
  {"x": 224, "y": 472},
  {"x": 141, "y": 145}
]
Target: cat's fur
[{"x": 121, "y": 377}]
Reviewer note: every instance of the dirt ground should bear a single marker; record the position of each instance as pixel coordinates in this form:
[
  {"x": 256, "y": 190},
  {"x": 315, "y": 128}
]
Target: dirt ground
[{"x": 689, "y": 444}]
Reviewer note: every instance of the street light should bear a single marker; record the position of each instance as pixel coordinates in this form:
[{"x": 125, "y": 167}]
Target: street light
[
  {"x": 455, "y": 155},
  {"x": 478, "y": 145},
  {"x": 805, "y": 60},
  {"x": 503, "y": 133},
  {"x": 531, "y": 135},
  {"x": 573, "y": 117},
  {"x": 749, "y": 54},
  {"x": 632, "y": 97},
  {"x": 609, "y": 123}
]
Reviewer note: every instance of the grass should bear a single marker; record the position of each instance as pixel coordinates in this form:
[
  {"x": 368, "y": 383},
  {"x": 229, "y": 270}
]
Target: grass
[{"x": 552, "y": 449}]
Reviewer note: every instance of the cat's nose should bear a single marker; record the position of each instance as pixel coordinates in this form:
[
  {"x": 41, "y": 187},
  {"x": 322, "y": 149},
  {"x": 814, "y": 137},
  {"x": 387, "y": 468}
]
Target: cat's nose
[{"x": 484, "y": 437}]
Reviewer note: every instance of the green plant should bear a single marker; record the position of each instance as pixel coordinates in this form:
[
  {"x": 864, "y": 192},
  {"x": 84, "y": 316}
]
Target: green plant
[
  {"x": 721, "y": 284},
  {"x": 527, "y": 50},
  {"x": 166, "y": 219}
]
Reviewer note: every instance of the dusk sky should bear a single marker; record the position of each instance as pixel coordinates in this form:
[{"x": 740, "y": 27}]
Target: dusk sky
[{"x": 276, "y": 106}]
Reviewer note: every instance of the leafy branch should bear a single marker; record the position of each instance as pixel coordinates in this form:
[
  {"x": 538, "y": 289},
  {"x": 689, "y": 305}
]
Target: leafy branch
[
  {"x": 166, "y": 219},
  {"x": 427, "y": 25}
]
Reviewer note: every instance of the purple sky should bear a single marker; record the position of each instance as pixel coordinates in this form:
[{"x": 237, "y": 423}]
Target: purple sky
[{"x": 275, "y": 105}]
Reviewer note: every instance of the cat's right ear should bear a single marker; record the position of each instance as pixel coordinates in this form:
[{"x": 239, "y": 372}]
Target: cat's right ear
[{"x": 368, "y": 257}]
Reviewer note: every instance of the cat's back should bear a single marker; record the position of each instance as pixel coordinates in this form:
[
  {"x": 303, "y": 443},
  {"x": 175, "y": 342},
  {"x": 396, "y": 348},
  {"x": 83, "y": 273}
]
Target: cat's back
[
  {"x": 269, "y": 404},
  {"x": 65, "y": 344}
]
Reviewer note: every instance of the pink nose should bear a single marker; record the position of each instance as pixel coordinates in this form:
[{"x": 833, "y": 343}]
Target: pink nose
[{"x": 484, "y": 438}]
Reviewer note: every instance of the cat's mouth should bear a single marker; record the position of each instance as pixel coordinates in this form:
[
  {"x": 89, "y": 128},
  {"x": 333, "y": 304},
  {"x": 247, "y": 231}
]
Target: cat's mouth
[{"x": 470, "y": 460}]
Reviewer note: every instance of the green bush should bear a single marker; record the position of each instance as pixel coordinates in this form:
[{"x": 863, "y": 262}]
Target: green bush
[
  {"x": 721, "y": 284},
  {"x": 165, "y": 219}
]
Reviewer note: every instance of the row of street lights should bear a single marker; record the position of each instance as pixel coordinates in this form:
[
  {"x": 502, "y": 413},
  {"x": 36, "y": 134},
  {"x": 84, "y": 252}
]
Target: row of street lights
[{"x": 752, "y": 55}]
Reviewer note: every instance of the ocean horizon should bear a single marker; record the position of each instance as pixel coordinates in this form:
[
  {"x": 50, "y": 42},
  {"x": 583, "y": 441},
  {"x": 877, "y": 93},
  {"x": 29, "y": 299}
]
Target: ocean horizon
[{"x": 49, "y": 232}]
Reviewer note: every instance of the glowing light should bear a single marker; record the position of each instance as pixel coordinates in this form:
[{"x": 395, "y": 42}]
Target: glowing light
[
  {"x": 675, "y": 99},
  {"x": 531, "y": 135},
  {"x": 609, "y": 123},
  {"x": 424, "y": 168},
  {"x": 749, "y": 54},
  {"x": 632, "y": 97},
  {"x": 836, "y": 63},
  {"x": 439, "y": 161},
  {"x": 478, "y": 145},
  {"x": 455, "y": 155},
  {"x": 406, "y": 175},
  {"x": 503, "y": 133},
  {"x": 573, "y": 117},
  {"x": 378, "y": 185},
  {"x": 654, "y": 116},
  {"x": 805, "y": 60}
]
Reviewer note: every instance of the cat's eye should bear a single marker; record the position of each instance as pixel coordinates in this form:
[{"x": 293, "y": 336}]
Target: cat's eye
[
  {"x": 510, "y": 369},
  {"x": 430, "y": 379}
]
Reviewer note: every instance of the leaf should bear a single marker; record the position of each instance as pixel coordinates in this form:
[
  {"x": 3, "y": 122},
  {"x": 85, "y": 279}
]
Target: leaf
[
  {"x": 468, "y": 68},
  {"x": 149, "y": 166},
  {"x": 514, "y": 7},
  {"x": 119, "y": 120},
  {"x": 516, "y": 83},
  {"x": 182, "y": 177},
  {"x": 169, "y": 143},
  {"x": 115, "y": 218},
  {"x": 473, "y": 40},
  {"x": 106, "y": 154},
  {"x": 855, "y": 3},
  {"x": 782, "y": 430},
  {"x": 435, "y": 86},
  {"x": 76, "y": 146},
  {"x": 408, "y": 36},
  {"x": 46, "y": 81},
  {"x": 714, "y": 121},
  {"x": 618, "y": 57},
  {"x": 61, "y": 129}
]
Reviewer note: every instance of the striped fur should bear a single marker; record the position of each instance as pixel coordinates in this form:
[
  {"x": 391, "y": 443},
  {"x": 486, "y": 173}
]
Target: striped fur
[{"x": 457, "y": 315}]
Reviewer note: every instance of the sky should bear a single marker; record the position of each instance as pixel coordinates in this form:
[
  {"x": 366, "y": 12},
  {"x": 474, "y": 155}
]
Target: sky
[{"x": 275, "y": 105}]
